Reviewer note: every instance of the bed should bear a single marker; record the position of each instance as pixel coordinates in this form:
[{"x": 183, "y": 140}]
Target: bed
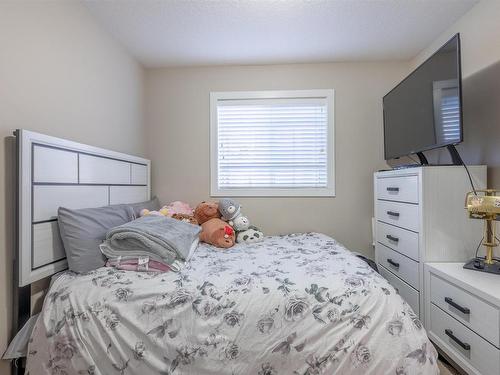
[{"x": 293, "y": 304}]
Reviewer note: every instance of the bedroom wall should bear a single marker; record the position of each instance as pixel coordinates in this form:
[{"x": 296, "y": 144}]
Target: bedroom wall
[
  {"x": 177, "y": 128},
  {"x": 480, "y": 36},
  {"x": 61, "y": 75}
]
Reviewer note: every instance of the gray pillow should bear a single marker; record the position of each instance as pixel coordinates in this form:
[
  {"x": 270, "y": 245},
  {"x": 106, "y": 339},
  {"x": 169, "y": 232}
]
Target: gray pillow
[
  {"x": 83, "y": 230},
  {"x": 151, "y": 205}
]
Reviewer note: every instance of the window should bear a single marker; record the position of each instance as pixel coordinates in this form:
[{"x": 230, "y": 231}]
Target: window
[{"x": 272, "y": 143}]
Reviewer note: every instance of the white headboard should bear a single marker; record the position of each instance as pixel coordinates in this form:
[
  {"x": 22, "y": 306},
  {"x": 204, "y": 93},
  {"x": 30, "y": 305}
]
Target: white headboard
[{"x": 55, "y": 172}]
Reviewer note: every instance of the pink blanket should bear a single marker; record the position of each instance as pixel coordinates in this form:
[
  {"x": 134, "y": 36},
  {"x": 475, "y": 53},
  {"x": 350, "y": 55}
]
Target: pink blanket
[{"x": 143, "y": 264}]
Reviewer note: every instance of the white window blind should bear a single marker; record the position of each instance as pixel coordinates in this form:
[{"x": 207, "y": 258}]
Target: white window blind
[
  {"x": 447, "y": 121},
  {"x": 269, "y": 143},
  {"x": 450, "y": 117}
]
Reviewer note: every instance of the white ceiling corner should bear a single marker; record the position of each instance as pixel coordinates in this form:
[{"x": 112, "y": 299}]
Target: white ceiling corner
[{"x": 205, "y": 32}]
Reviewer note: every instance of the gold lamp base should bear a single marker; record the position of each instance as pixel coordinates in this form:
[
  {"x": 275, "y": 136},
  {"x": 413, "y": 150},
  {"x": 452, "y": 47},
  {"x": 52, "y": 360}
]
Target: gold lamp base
[
  {"x": 488, "y": 264},
  {"x": 485, "y": 206}
]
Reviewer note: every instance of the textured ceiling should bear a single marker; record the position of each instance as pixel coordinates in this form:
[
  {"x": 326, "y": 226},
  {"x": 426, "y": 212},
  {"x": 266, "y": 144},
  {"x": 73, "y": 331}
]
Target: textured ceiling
[{"x": 195, "y": 32}]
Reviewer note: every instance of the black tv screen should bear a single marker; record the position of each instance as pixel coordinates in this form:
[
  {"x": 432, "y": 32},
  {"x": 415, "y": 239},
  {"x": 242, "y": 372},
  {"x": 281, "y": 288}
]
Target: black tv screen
[{"x": 425, "y": 110}]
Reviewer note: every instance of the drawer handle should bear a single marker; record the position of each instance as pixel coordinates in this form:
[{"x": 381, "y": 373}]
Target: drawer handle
[
  {"x": 392, "y": 213},
  {"x": 450, "y": 334},
  {"x": 396, "y": 189},
  {"x": 450, "y": 302},
  {"x": 392, "y": 263},
  {"x": 392, "y": 238}
]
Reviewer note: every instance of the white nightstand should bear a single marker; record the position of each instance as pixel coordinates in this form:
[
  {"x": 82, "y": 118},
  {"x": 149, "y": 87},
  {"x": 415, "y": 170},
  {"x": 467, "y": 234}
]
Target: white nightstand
[{"x": 463, "y": 307}]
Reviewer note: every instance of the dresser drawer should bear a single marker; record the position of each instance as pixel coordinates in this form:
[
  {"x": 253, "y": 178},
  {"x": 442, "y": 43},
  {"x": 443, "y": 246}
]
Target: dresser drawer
[
  {"x": 403, "y": 215},
  {"x": 410, "y": 295},
  {"x": 477, "y": 314},
  {"x": 401, "y": 189},
  {"x": 403, "y": 267},
  {"x": 464, "y": 343},
  {"x": 401, "y": 240}
]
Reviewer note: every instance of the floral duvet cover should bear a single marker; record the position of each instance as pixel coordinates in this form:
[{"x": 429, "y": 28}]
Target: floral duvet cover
[{"x": 293, "y": 304}]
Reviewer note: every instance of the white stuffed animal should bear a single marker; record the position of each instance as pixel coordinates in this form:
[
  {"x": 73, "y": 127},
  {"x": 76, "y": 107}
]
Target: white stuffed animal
[
  {"x": 251, "y": 235},
  {"x": 239, "y": 223}
]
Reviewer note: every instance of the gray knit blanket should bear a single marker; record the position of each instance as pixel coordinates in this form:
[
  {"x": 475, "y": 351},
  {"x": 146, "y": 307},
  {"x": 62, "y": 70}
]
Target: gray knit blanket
[{"x": 163, "y": 239}]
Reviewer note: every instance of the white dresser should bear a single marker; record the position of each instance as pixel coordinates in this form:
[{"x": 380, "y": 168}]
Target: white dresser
[
  {"x": 464, "y": 315},
  {"x": 420, "y": 217}
]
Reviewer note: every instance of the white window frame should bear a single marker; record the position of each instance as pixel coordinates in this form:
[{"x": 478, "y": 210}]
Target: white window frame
[{"x": 328, "y": 191}]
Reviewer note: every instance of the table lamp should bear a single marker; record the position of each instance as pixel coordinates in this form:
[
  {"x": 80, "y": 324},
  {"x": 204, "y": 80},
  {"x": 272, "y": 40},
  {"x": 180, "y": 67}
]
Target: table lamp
[{"x": 485, "y": 205}]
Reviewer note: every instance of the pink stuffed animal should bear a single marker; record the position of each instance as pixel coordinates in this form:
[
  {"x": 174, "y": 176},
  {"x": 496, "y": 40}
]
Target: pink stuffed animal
[{"x": 179, "y": 207}]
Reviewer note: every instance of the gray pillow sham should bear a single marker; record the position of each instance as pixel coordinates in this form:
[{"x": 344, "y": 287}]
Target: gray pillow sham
[
  {"x": 151, "y": 205},
  {"x": 83, "y": 230}
]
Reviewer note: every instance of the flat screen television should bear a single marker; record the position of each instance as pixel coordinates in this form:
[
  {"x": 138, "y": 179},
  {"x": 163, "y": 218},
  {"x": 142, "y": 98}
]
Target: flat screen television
[{"x": 424, "y": 111}]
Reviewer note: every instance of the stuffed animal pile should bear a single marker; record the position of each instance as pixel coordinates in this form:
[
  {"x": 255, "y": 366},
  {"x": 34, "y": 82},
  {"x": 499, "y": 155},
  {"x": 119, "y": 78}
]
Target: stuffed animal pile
[
  {"x": 232, "y": 226},
  {"x": 222, "y": 223}
]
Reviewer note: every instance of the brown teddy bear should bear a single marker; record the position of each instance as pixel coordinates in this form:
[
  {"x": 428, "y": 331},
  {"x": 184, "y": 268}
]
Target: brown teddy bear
[
  {"x": 206, "y": 211},
  {"x": 216, "y": 232}
]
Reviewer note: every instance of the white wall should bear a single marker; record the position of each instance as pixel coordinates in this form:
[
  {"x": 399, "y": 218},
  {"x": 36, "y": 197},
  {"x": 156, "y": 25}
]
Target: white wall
[
  {"x": 60, "y": 74},
  {"x": 177, "y": 124},
  {"x": 480, "y": 36}
]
